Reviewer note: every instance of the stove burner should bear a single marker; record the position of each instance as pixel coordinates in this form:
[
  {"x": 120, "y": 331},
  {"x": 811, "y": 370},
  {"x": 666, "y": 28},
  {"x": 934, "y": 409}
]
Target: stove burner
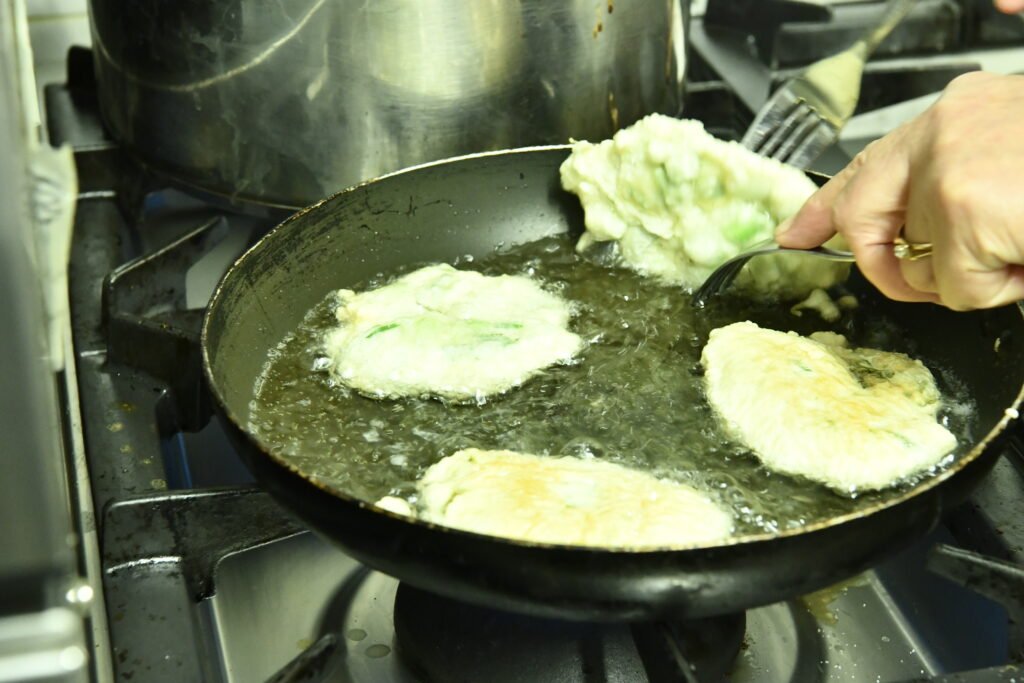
[{"x": 447, "y": 641}]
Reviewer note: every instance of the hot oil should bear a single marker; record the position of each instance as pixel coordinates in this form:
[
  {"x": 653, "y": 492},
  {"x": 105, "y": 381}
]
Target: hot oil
[{"x": 633, "y": 397}]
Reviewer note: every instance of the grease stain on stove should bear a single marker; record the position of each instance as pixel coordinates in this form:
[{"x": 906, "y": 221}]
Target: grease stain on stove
[
  {"x": 115, "y": 426},
  {"x": 377, "y": 651},
  {"x": 818, "y": 602}
]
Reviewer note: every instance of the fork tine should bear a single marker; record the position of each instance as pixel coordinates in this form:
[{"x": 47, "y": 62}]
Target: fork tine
[
  {"x": 786, "y": 130},
  {"x": 830, "y": 87},
  {"x": 812, "y": 145},
  {"x": 721, "y": 278},
  {"x": 768, "y": 120},
  {"x": 797, "y": 137},
  {"x": 791, "y": 131}
]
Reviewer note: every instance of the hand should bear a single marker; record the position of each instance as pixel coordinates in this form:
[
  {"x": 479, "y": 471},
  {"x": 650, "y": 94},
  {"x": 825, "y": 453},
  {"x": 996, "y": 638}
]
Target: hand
[
  {"x": 1010, "y": 6},
  {"x": 954, "y": 177}
]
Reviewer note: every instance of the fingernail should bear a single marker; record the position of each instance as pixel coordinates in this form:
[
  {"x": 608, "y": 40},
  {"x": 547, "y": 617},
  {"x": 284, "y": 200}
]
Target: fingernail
[{"x": 784, "y": 227}]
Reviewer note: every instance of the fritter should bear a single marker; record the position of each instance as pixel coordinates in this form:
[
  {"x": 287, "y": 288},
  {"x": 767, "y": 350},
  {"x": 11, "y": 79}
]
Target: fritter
[
  {"x": 564, "y": 500},
  {"x": 447, "y": 333},
  {"x": 852, "y": 419}
]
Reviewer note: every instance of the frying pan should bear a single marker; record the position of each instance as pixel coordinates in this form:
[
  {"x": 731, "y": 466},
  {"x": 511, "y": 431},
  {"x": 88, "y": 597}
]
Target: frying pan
[{"x": 472, "y": 205}]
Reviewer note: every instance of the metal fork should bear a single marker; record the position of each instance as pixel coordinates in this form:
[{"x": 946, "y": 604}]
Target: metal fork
[
  {"x": 724, "y": 274},
  {"x": 804, "y": 116}
]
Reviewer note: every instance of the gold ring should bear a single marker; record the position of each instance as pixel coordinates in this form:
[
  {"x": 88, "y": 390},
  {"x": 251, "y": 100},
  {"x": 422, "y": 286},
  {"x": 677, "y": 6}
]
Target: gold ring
[{"x": 910, "y": 251}]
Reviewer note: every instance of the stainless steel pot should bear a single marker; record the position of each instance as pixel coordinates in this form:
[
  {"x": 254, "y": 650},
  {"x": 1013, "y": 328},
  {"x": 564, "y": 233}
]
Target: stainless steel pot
[{"x": 284, "y": 103}]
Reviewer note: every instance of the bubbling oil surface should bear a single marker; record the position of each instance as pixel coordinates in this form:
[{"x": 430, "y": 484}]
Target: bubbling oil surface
[{"x": 634, "y": 396}]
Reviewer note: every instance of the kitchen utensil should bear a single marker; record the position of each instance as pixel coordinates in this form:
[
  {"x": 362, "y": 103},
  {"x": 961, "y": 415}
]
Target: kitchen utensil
[
  {"x": 470, "y": 207},
  {"x": 724, "y": 274},
  {"x": 283, "y": 104},
  {"x": 805, "y": 115}
]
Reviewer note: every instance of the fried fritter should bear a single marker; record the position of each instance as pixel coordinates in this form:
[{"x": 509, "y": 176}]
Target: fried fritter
[
  {"x": 853, "y": 419},
  {"x": 447, "y": 333},
  {"x": 564, "y": 500}
]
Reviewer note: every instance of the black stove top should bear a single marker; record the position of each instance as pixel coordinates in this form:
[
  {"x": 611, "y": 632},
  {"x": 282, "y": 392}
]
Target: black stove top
[{"x": 206, "y": 578}]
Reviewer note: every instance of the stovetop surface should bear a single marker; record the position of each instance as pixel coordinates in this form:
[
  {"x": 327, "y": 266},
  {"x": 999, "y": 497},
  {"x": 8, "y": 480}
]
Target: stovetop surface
[{"x": 879, "y": 626}]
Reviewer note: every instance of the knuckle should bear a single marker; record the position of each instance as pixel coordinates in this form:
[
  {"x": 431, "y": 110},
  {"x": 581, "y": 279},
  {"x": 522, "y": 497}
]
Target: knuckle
[
  {"x": 963, "y": 86},
  {"x": 863, "y": 156},
  {"x": 817, "y": 203},
  {"x": 967, "y": 80}
]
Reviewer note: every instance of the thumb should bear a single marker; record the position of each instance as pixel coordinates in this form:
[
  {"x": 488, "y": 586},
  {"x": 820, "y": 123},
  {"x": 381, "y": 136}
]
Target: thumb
[{"x": 812, "y": 225}]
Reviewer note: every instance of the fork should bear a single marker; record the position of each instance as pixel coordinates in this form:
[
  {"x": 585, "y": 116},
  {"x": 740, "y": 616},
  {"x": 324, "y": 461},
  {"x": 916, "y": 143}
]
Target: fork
[
  {"x": 804, "y": 116},
  {"x": 724, "y": 274}
]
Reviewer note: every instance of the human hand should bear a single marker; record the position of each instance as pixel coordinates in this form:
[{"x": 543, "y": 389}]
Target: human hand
[
  {"x": 952, "y": 177},
  {"x": 1010, "y": 6}
]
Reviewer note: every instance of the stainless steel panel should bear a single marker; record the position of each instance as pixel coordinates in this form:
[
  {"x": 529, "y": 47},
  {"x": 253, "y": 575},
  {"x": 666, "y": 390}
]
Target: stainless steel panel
[
  {"x": 35, "y": 532},
  {"x": 42, "y": 630},
  {"x": 274, "y": 601}
]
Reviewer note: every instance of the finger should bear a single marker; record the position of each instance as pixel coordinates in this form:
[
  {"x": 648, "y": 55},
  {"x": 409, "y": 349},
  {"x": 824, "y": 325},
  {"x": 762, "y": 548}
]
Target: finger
[
  {"x": 967, "y": 290},
  {"x": 812, "y": 225},
  {"x": 870, "y": 210},
  {"x": 816, "y": 221},
  {"x": 881, "y": 267},
  {"x": 919, "y": 275},
  {"x": 1010, "y": 6}
]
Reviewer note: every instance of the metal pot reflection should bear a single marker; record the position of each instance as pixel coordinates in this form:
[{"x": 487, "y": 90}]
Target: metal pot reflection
[{"x": 283, "y": 104}]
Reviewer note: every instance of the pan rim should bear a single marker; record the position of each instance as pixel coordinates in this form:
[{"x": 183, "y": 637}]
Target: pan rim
[{"x": 926, "y": 487}]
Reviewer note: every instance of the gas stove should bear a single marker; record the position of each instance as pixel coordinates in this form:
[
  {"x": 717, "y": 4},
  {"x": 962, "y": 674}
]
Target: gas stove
[{"x": 199, "y": 575}]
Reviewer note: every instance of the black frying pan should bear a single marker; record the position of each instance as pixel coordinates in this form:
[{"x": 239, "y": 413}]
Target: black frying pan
[{"x": 471, "y": 205}]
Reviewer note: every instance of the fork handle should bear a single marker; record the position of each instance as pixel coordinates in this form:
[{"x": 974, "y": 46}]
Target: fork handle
[
  {"x": 823, "y": 252},
  {"x": 894, "y": 12}
]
